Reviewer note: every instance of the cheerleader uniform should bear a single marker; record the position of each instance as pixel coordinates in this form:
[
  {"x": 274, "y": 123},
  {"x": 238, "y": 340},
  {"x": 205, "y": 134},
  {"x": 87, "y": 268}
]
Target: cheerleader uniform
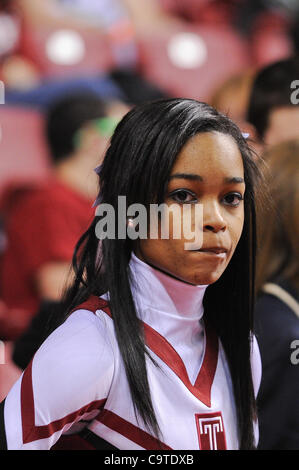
[{"x": 76, "y": 384}]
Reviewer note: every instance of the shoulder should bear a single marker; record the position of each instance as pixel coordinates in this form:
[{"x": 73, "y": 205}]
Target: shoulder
[
  {"x": 39, "y": 195},
  {"x": 70, "y": 375},
  {"x": 275, "y": 323},
  {"x": 80, "y": 345},
  {"x": 268, "y": 305},
  {"x": 82, "y": 325}
]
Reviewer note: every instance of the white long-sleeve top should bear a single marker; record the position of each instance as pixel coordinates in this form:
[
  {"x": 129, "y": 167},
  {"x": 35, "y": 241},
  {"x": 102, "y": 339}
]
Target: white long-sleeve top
[{"x": 77, "y": 379}]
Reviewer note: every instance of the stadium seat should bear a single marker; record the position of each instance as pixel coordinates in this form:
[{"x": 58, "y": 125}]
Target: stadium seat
[
  {"x": 193, "y": 60},
  {"x": 23, "y": 150},
  {"x": 203, "y": 11},
  {"x": 66, "y": 53},
  {"x": 270, "y": 39}
]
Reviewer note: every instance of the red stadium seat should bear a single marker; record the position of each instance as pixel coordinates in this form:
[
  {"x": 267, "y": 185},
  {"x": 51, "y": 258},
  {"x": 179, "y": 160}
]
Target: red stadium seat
[
  {"x": 23, "y": 152},
  {"x": 67, "y": 53},
  {"x": 215, "y": 55},
  {"x": 270, "y": 40},
  {"x": 202, "y": 11}
]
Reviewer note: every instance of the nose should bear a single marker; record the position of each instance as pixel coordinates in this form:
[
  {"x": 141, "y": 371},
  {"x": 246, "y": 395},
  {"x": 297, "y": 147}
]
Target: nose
[{"x": 213, "y": 220}]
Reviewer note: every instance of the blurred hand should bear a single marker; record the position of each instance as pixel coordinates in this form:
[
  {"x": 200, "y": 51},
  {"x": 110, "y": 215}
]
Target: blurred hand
[{"x": 19, "y": 73}]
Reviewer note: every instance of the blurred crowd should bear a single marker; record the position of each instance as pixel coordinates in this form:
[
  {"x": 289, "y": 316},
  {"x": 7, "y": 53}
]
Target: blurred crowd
[{"x": 71, "y": 69}]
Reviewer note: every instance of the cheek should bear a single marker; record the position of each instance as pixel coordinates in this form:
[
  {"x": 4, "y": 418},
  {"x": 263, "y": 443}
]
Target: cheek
[
  {"x": 164, "y": 254},
  {"x": 236, "y": 228},
  {"x": 151, "y": 251}
]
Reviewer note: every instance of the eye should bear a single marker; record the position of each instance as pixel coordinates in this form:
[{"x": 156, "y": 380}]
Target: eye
[
  {"x": 233, "y": 199},
  {"x": 182, "y": 196}
]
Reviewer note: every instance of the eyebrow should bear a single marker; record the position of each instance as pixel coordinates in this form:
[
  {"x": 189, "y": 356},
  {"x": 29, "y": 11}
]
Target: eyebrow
[
  {"x": 186, "y": 176},
  {"x": 234, "y": 179},
  {"x": 194, "y": 177}
]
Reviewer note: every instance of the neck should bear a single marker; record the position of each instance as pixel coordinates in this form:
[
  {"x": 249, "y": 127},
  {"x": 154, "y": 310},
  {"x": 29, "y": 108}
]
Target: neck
[
  {"x": 75, "y": 173},
  {"x": 165, "y": 293}
]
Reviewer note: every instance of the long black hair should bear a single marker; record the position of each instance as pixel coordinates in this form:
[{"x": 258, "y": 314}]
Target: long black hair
[{"x": 137, "y": 165}]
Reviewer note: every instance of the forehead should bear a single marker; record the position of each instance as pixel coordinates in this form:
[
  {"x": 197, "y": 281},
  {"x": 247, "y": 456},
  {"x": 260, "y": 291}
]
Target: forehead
[{"x": 210, "y": 153}]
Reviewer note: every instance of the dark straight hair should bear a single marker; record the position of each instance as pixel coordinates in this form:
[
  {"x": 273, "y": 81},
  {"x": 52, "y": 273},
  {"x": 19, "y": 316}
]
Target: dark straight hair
[{"x": 137, "y": 165}]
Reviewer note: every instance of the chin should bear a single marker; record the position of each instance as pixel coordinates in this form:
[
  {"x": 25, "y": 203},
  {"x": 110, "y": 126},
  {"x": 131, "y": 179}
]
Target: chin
[{"x": 206, "y": 278}]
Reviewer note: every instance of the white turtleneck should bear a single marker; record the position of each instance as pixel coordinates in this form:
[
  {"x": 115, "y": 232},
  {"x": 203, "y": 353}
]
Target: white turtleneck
[
  {"x": 77, "y": 376},
  {"x": 173, "y": 308}
]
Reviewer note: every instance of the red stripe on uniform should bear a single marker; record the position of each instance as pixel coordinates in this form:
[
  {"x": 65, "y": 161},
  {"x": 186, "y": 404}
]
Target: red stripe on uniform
[
  {"x": 130, "y": 431},
  {"x": 165, "y": 351},
  {"x": 207, "y": 371},
  {"x": 94, "y": 303},
  {"x": 31, "y": 432}
]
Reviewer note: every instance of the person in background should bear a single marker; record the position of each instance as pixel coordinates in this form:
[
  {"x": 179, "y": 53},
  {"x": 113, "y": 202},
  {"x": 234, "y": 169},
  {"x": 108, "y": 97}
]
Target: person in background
[
  {"x": 271, "y": 110},
  {"x": 120, "y": 21},
  {"x": 16, "y": 70},
  {"x": 294, "y": 33},
  {"x": 115, "y": 21},
  {"x": 232, "y": 97},
  {"x": 277, "y": 307},
  {"x": 141, "y": 15},
  {"x": 44, "y": 222}
]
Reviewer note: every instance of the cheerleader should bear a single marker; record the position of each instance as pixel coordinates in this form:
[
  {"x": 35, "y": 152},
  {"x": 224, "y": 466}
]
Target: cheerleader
[{"x": 155, "y": 346}]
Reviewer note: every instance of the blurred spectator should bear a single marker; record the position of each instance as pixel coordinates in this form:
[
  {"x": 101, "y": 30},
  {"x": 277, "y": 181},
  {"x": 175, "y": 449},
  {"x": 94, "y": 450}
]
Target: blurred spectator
[
  {"x": 19, "y": 69},
  {"x": 150, "y": 17},
  {"x": 115, "y": 23},
  {"x": 30, "y": 339},
  {"x": 108, "y": 18},
  {"x": 271, "y": 110},
  {"x": 102, "y": 14},
  {"x": 266, "y": 25},
  {"x": 232, "y": 97},
  {"x": 46, "y": 92},
  {"x": 120, "y": 21},
  {"x": 16, "y": 70},
  {"x": 277, "y": 308},
  {"x": 44, "y": 222},
  {"x": 120, "y": 85},
  {"x": 13, "y": 321},
  {"x": 294, "y": 34},
  {"x": 203, "y": 11},
  {"x": 59, "y": 13}
]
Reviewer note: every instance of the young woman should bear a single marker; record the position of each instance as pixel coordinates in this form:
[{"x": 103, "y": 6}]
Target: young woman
[{"x": 155, "y": 349}]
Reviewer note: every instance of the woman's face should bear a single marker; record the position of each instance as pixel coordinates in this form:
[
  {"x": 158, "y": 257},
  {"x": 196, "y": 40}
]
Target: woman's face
[{"x": 209, "y": 172}]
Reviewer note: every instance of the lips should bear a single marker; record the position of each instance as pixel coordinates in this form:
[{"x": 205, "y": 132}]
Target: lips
[
  {"x": 214, "y": 249},
  {"x": 221, "y": 251}
]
